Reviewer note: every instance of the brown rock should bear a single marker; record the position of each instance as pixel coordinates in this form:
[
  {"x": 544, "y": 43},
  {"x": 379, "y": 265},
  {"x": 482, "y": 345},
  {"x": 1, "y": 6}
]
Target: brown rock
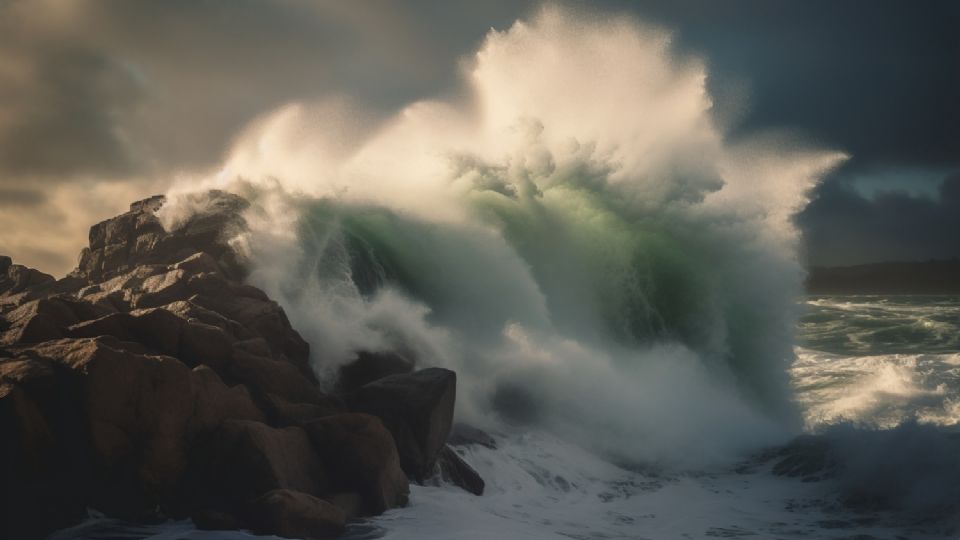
[
  {"x": 162, "y": 289},
  {"x": 217, "y": 402},
  {"x": 370, "y": 366},
  {"x": 155, "y": 328},
  {"x": 138, "y": 412},
  {"x": 43, "y": 458},
  {"x": 16, "y": 278},
  {"x": 292, "y": 514},
  {"x": 271, "y": 376},
  {"x": 198, "y": 263},
  {"x": 417, "y": 408},
  {"x": 283, "y": 412},
  {"x": 38, "y": 320},
  {"x": 201, "y": 343},
  {"x": 362, "y": 458},
  {"x": 350, "y": 502},
  {"x": 251, "y": 458}
]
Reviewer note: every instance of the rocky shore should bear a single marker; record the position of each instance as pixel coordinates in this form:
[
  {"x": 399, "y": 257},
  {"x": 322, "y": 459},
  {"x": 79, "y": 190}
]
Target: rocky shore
[{"x": 153, "y": 383}]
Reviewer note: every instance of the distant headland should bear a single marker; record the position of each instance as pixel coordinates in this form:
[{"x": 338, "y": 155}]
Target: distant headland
[{"x": 919, "y": 277}]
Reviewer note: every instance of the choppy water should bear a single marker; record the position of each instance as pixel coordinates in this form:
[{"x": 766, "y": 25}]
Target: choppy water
[{"x": 879, "y": 360}]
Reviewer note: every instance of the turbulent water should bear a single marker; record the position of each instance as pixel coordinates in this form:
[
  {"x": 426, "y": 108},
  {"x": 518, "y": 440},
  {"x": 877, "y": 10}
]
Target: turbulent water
[
  {"x": 614, "y": 281},
  {"x": 878, "y": 360}
]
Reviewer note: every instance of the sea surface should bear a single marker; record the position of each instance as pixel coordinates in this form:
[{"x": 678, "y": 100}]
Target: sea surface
[{"x": 874, "y": 362}]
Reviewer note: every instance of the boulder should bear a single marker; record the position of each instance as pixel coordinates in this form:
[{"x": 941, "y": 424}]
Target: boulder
[
  {"x": 270, "y": 376},
  {"x": 43, "y": 456},
  {"x": 370, "y": 366},
  {"x": 216, "y": 402},
  {"x": 202, "y": 343},
  {"x": 142, "y": 413},
  {"x": 283, "y": 412},
  {"x": 292, "y": 514},
  {"x": 16, "y": 278},
  {"x": 251, "y": 458},
  {"x": 139, "y": 408},
  {"x": 363, "y": 459},
  {"x": 417, "y": 408},
  {"x": 38, "y": 320},
  {"x": 453, "y": 469},
  {"x": 157, "y": 329}
]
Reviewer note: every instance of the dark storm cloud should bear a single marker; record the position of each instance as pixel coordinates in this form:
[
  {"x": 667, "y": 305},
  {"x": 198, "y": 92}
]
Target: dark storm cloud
[
  {"x": 876, "y": 79},
  {"x": 21, "y": 197},
  {"x": 120, "y": 88},
  {"x": 842, "y": 226}
]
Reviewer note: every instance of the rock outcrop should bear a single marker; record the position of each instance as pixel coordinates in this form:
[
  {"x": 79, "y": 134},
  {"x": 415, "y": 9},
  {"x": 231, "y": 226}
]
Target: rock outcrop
[
  {"x": 153, "y": 382},
  {"x": 417, "y": 408}
]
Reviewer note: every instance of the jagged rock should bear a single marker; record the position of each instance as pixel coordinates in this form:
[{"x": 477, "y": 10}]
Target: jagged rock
[
  {"x": 138, "y": 238},
  {"x": 273, "y": 377},
  {"x": 283, "y": 412},
  {"x": 217, "y": 402},
  {"x": 45, "y": 319},
  {"x": 202, "y": 343},
  {"x": 43, "y": 456},
  {"x": 365, "y": 458},
  {"x": 138, "y": 411},
  {"x": 453, "y": 469},
  {"x": 417, "y": 408},
  {"x": 151, "y": 378},
  {"x": 292, "y": 514},
  {"x": 248, "y": 459},
  {"x": 370, "y": 366},
  {"x": 16, "y": 278},
  {"x": 157, "y": 329},
  {"x": 249, "y": 307}
]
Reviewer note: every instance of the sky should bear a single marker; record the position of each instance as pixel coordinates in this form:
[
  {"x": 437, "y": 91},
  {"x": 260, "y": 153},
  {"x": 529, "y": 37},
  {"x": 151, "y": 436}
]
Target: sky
[{"x": 106, "y": 101}]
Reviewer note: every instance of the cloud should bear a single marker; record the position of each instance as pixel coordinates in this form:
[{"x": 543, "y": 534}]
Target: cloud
[
  {"x": 21, "y": 197},
  {"x": 136, "y": 92},
  {"x": 843, "y": 227}
]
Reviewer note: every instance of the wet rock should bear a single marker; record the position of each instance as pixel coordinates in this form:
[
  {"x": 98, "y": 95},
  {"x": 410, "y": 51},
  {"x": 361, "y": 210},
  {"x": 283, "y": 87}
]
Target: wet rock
[
  {"x": 292, "y": 514},
  {"x": 151, "y": 381},
  {"x": 202, "y": 343},
  {"x": 216, "y": 402},
  {"x": 251, "y": 458},
  {"x": 370, "y": 366},
  {"x": 453, "y": 469},
  {"x": 283, "y": 412},
  {"x": 273, "y": 376},
  {"x": 363, "y": 459},
  {"x": 417, "y": 408}
]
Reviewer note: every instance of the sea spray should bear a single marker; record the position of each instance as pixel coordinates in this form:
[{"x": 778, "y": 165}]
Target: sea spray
[{"x": 576, "y": 239}]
